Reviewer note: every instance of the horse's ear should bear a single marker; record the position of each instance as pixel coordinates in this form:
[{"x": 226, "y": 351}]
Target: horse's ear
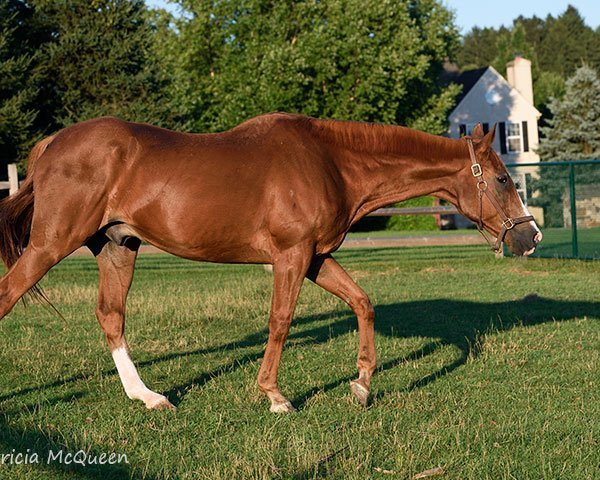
[
  {"x": 477, "y": 131},
  {"x": 488, "y": 139}
]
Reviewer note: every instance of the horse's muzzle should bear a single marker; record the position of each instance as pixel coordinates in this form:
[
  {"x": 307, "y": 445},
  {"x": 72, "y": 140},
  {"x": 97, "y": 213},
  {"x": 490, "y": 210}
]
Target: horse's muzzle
[{"x": 523, "y": 239}]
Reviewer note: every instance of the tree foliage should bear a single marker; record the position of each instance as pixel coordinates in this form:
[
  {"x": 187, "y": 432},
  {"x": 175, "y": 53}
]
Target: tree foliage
[
  {"x": 368, "y": 60},
  {"x": 99, "y": 63},
  {"x": 63, "y": 62},
  {"x": 17, "y": 88}
]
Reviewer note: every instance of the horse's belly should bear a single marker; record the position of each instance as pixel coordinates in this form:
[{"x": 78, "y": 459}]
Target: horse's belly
[{"x": 210, "y": 245}]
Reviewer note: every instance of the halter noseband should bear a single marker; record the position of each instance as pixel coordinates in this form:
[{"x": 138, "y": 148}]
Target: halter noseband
[{"x": 508, "y": 223}]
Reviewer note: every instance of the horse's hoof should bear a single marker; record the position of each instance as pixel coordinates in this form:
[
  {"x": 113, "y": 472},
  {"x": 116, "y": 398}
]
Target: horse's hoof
[
  {"x": 282, "y": 407},
  {"x": 160, "y": 403},
  {"x": 360, "y": 392}
]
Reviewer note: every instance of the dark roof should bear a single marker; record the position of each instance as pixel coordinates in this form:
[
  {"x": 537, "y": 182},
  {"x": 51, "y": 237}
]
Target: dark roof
[{"x": 467, "y": 79}]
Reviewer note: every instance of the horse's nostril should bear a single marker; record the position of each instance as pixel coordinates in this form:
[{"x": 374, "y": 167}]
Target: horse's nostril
[{"x": 537, "y": 238}]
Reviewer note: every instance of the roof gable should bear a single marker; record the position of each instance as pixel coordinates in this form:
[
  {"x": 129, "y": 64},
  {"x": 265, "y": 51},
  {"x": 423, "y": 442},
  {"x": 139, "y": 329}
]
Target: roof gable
[
  {"x": 478, "y": 83},
  {"x": 467, "y": 80}
]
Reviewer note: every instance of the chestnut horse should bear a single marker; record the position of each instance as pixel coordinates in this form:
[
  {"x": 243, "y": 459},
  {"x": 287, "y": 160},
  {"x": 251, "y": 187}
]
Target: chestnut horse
[{"x": 278, "y": 189}]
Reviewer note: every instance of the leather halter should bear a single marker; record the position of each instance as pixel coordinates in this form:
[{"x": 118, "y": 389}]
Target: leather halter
[{"x": 508, "y": 223}]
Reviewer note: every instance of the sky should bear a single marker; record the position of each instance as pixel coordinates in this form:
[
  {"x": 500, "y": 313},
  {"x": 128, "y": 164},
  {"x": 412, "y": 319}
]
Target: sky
[{"x": 486, "y": 13}]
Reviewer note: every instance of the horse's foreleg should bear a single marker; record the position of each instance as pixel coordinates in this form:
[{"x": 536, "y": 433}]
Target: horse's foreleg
[
  {"x": 328, "y": 274},
  {"x": 289, "y": 269},
  {"x": 115, "y": 266}
]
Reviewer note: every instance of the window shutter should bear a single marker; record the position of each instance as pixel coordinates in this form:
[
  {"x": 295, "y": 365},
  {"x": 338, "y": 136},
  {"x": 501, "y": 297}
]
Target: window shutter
[
  {"x": 502, "y": 131},
  {"x": 486, "y": 128},
  {"x": 525, "y": 137},
  {"x": 462, "y": 128}
]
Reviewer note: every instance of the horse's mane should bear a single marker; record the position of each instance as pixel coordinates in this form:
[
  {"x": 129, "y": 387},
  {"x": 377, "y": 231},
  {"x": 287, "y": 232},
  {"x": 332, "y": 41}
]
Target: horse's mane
[{"x": 382, "y": 139}]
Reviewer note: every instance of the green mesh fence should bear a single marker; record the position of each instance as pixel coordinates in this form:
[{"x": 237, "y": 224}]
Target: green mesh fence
[{"x": 564, "y": 197}]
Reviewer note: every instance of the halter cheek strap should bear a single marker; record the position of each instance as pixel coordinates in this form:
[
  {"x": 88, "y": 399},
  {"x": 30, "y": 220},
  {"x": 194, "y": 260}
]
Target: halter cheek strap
[{"x": 508, "y": 223}]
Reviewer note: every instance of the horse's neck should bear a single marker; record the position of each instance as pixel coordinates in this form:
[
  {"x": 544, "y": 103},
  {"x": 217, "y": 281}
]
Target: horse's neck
[{"x": 411, "y": 165}]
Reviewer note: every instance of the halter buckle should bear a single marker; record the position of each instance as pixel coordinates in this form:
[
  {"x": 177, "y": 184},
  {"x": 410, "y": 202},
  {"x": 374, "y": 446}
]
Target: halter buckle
[
  {"x": 508, "y": 224},
  {"x": 476, "y": 169}
]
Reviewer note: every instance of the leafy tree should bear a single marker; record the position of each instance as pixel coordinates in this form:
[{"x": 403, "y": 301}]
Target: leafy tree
[
  {"x": 572, "y": 134},
  {"x": 366, "y": 60}
]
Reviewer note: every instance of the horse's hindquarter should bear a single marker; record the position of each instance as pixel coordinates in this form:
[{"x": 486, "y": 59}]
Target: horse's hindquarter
[{"x": 229, "y": 200}]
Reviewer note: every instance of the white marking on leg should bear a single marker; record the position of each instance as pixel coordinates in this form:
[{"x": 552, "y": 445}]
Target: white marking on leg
[{"x": 132, "y": 383}]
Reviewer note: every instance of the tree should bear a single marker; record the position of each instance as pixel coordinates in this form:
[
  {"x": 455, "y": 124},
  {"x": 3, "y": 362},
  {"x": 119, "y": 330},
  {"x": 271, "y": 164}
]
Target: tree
[
  {"x": 100, "y": 62},
  {"x": 63, "y": 62},
  {"x": 366, "y": 60},
  {"x": 568, "y": 42},
  {"x": 17, "y": 87},
  {"x": 480, "y": 47},
  {"x": 573, "y": 133},
  {"x": 515, "y": 42}
]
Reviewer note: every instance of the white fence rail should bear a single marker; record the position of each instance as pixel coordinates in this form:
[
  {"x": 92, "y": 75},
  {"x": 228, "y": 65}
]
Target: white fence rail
[{"x": 12, "y": 185}]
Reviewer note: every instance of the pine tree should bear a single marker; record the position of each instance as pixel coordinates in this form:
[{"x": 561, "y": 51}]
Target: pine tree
[
  {"x": 515, "y": 43},
  {"x": 480, "y": 47},
  {"x": 101, "y": 63},
  {"x": 568, "y": 42},
  {"x": 17, "y": 91},
  {"x": 572, "y": 134},
  {"x": 574, "y": 131}
]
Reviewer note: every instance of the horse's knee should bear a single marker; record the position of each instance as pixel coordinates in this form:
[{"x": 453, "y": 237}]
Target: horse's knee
[
  {"x": 113, "y": 325},
  {"x": 279, "y": 326},
  {"x": 364, "y": 308}
]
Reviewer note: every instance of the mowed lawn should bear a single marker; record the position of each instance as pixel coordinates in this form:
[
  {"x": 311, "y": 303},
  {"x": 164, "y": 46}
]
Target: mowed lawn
[{"x": 488, "y": 369}]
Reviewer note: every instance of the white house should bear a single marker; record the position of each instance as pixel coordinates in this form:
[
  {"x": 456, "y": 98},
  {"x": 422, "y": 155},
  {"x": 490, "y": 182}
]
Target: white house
[{"x": 489, "y": 98}]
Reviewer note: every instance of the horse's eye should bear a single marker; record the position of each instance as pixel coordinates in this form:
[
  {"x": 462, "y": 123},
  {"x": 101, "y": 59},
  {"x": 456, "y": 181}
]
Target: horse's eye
[{"x": 502, "y": 178}]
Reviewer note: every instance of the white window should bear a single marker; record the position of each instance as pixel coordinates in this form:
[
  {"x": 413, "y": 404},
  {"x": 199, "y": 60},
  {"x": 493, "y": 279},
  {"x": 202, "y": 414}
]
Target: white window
[
  {"x": 514, "y": 138},
  {"x": 520, "y": 181}
]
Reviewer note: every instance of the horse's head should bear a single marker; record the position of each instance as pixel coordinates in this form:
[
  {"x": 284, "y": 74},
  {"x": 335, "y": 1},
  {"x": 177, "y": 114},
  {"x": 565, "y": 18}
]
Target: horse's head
[{"x": 488, "y": 197}]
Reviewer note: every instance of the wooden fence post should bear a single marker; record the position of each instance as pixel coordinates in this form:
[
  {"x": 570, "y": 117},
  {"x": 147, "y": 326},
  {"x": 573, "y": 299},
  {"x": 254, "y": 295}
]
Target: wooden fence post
[{"x": 13, "y": 178}]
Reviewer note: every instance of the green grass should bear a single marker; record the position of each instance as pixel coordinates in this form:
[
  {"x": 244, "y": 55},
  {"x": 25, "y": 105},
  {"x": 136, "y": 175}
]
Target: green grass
[
  {"x": 558, "y": 242},
  {"x": 475, "y": 376}
]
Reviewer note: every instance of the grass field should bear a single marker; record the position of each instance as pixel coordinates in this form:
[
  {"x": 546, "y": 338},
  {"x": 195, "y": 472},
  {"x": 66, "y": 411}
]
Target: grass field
[{"x": 489, "y": 369}]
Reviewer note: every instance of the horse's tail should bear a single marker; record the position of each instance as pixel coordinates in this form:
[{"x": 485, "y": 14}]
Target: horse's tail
[{"x": 16, "y": 212}]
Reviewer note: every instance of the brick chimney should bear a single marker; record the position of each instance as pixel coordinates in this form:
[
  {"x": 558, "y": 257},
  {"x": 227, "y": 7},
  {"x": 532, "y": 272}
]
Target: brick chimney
[{"x": 518, "y": 74}]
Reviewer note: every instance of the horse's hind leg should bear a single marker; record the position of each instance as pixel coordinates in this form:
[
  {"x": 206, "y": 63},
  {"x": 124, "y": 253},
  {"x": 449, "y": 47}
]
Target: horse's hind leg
[
  {"x": 115, "y": 266},
  {"x": 328, "y": 274}
]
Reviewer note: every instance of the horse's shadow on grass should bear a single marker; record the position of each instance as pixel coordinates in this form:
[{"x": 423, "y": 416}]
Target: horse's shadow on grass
[
  {"x": 457, "y": 323},
  {"x": 445, "y": 322}
]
